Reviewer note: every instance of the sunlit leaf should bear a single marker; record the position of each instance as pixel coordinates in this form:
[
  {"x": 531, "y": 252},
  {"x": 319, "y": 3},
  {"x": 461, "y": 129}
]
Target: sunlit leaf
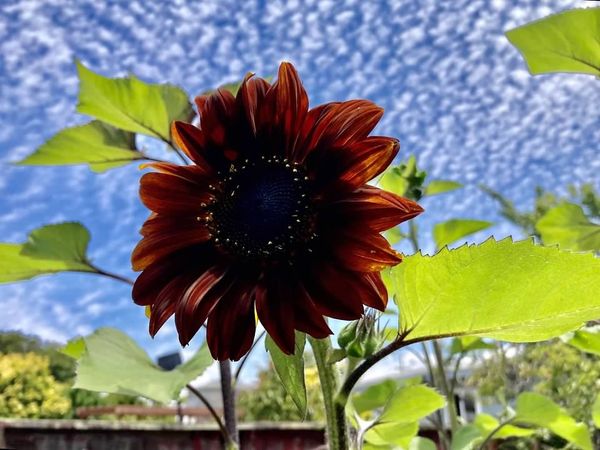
[
  {"x": 586, "y": 341},
  {"x": 421, "y": 443},
  {"x": 411, "y": 403},
  {"x": 488, "y": 424},
  {"x": 395, "y": 434},
  {"x": 49, "y": 249},
  {"x": 564, "y": 42},
  {"x": 290, "y": 369},
  {"x": 74, "y": 348},
  {"x": 441, "y": 186},
  {"x": 394, "y": 235},
  {"x": 532, "y": 408},
  {"x": 98, "y": 144},
  {"x": 131, "y": 104},
  {"x": 517, "y": 292},
  {"x": 374, "y": 397},
  {"x": 596, "y": 412},
  {"x": 114, "y": 363},
  {"x": 567, "y": 226},
  {"x": 446, "y": 233},
  {"x": 466, "y": 437},
  {"x": 393, "y": 181},
  {"x": 465, "y": 344}
]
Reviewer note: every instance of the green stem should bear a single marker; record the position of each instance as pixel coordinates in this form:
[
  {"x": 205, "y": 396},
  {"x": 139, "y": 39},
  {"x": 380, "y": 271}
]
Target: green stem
[
  {"x": 439, "y": 418},
  {"x": 229, "y": 402},
  {"x": 337, "y": 430},
  {"x": 493, "y": 433},
  {"x": 443, "y": 384}
]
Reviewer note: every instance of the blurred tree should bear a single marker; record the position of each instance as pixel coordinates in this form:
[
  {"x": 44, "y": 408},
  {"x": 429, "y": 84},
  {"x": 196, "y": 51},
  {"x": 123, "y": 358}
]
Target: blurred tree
[
  {"x": 270, "y": 401},
  {"x": 28, "y": 389}
]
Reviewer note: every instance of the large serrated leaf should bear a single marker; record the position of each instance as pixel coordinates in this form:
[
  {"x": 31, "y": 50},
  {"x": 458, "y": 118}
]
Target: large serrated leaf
[
  {"x": 97, "y": 144},
  {"x": 565, "y": 42},
  {"x": 112, "y": 362},
  {"x": 532, "y": 408},
  {"x": 49, "y": 249},
  {"x": 131, "y": 104},
  {"x": 568, "y": 226},
  {"x": 446, "y": 233},
  {"x": 517, "y": 292},
  {"x": 290, "y": 369}
]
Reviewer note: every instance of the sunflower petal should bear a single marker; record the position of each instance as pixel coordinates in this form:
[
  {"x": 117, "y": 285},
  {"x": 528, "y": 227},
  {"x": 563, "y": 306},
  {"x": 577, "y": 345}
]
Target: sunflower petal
[
  {"x": 374, "y": 208},
  {"x": 275, "y": 311},
  {"x": 192, "y": 141},
  {"x": 251, "y": 94},
  {"x": 168, "y": 194},
  {"x": 166, "y": 302},
  {"x": 307, "y": 317},
  {"x": 218, "y": 112},
  {"x": 364, "y": 251},
  {"x": 192, "y": 173}
]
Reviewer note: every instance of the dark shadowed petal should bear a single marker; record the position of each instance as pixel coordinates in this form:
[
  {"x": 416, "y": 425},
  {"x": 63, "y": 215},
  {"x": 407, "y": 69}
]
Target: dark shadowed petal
[
  {"x": 313, "y": 116},
  {"x": 363, "y": 250},
  {"x": 307, "y": 317},
  {"x": 194, "y": 174},
  {"x": 169, "y": 235},
  {"x": 372, "y": 207},
  {"x": 166, "y": 302},
  {"x": 192, "y": 141},
  {"x": 275, "y": 310},
  {"x": 231, "y": 324},
  {"x": 334, "y": 291},
  {"x": 168, "y": 194},
  {"x": 218, "y": 112},
  {"x": 251, "y": 95},
  {"x": 199, "y": 299},
  {"x": 375, "y": 284}
]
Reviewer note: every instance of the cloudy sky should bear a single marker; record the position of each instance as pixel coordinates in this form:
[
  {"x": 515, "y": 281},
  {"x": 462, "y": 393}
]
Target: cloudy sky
[{"x": 455, "y": 93}]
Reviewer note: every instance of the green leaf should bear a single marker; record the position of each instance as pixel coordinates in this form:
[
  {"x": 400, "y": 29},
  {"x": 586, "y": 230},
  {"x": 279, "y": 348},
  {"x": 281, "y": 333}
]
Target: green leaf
[
  {"x": 596, "y": 412},
  {"x": 466, "y": 437},
  {"x": 74, "y": 348},
  {"x": 131, "y": 104},
  {"x": 565, "y": 42},
  {"x": 98, "y": 144},
  {"x": 586, "y": 341},
  {"x": 538, "y": 410},
  {"x": 49, "y": 249},
  {"x": 395, "y": 434},
  {"x": 518, "y": 292},
  {"x": 441, "y": 187},
  {"x": 394, "y": 235},
  {"x": 336, "y": 355},
  {"x": 411, "y": 404},
  {"x": 114, "y": 363},
  {"x": 567, "y": 226},
  {"x": 420, "y": 443},
  {"x": 374, "y": 397},
  {"x": 488, "y": 424},
  {"x": 290, "y": 369},
  {"x": 446, "y": 233},
  {"x": 465, "y": 344},
  {"x": 393, "y": 181}
]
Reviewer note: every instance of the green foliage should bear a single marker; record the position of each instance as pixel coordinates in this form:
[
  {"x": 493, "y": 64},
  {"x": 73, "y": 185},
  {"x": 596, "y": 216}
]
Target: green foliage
[
  {"x": 131, "y": 104},
  {"x": 466, "y": 344},
  {"x": 270, "y": 401},
  {"x": 404, "y": 179},
  {"x": 586, "y": 341},
  {"x": 446, "y": 233},
  {"x": 420, "y": 443},
  {"x": 49, "y": 249},
  {"x": 596, "y": 412},
  {"x": 488, "y": 424},
  {"x": 114, "y": 363},
  {"x": 535, "y": 409},
  {"x": 565, "y": 42},
  {"x": 98, "y": 144},
  {"x": 497, "y": 290},
  {"x": 436, "y": 187},
  {"x": 568, "y": 226},
  {"x": 290, "y": 369},
  {"x": 27, "y": 388}
]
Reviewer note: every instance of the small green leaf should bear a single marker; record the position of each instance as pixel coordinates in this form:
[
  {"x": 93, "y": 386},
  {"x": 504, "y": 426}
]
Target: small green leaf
[
  {"x": 446, "y": 233},
  {"x": 131, "y": 104},
  {"x": 395, "y": 434},
  {"x": 466, "y": 437},
  {"x": 596, "y": 412},
  {"x": 535, "y": 409},
  {"x": 394, "y": 235},
  {"x": 49, "y": 249},
  {"x": 441, "y": 187},
  {"x": 420, "y": 443},
  {"x": 518, "y": 292},
  {"x": 586, "y": 341},
  {"x": 98, "y": 144},
  {"x": 465, "y": 344},
  {"x": 74, "y": 348},
  {"x": 393, "y": 181},
  {"x": 411, "y": 404},
  {"x": 290, "y": 369},
  {"x": 374, "y": 397},
  {"x": 114, "y": 363},
  {"x": 567, "y": 226},
  {"x": 336, "y": 355},
  {"x": 564, "y": 42},
  {"x": 488, "y": 424}
]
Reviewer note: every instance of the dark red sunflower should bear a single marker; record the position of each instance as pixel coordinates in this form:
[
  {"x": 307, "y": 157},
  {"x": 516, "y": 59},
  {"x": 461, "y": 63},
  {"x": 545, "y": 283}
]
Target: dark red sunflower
[{"x": 274, "y": 215}]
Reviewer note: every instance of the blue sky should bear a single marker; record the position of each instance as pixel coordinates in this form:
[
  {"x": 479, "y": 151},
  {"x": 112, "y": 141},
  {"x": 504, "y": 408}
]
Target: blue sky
[{"x": 455, "y": 93}]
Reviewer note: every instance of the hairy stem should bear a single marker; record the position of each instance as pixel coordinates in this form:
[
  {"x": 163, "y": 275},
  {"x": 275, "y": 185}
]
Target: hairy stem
[
  {"x": 337, "y": 429},
  {"x": 228, "y": 401}
]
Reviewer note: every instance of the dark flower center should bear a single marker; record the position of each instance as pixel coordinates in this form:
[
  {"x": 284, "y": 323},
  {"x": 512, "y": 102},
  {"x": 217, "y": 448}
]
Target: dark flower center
[{"x": 264, "y": 209}]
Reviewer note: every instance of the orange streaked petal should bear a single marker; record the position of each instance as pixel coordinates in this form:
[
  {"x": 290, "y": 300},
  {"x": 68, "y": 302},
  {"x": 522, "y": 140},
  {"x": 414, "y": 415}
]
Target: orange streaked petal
[
  {"x": 169, "y": 238},
  {"x": 192, "y": 141},
  {"x": 217, "y": 116},
  {"x": 380, "y": 299},
  {"x": 168, "y": 194},
  {"x": 374, "y": 208},
  {"x": 193, "y": 173},
  {"x": 364, "y": 251}
]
